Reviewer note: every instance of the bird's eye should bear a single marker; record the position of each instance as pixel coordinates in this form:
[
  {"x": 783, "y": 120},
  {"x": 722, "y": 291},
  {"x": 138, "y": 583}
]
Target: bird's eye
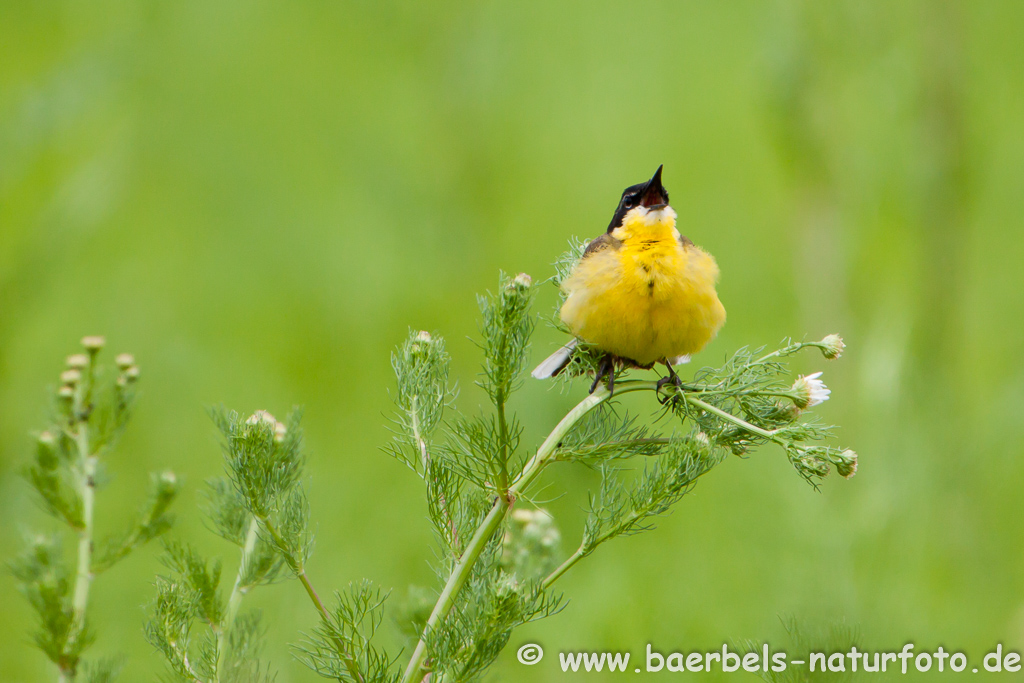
[{"x": 629, "y": 201}]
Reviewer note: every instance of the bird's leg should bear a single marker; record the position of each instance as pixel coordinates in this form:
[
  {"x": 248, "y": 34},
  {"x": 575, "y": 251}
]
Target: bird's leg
[
  {"x": 672, "y": 378},
  {"x": 611, "y": 376},
  {"x": 602, "y": 369}
]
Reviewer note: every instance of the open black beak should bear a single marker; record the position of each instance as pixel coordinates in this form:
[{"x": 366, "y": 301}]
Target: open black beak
[{"x": 654, "y": 195}]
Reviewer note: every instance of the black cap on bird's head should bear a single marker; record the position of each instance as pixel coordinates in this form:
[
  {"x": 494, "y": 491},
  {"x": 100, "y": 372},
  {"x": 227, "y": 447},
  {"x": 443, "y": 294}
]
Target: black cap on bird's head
[{"x": 651, "y": 195}]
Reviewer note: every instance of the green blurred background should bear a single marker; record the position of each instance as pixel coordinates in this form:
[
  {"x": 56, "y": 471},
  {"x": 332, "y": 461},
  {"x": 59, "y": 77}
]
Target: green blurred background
[{"x": 258, "y": 199}]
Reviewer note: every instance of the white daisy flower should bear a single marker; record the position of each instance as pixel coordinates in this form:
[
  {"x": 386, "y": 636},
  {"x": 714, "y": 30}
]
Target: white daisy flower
[{"x": 809, "y": 391}]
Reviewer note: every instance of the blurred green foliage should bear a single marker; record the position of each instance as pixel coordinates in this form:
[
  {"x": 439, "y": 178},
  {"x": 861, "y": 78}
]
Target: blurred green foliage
[{"x": 258, "y": 199}]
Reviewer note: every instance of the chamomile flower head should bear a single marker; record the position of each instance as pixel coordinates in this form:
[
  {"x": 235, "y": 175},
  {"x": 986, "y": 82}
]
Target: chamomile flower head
[
  {"x": 522, "y": 280},
  {"x": 832, "y": 346},
  {"x": 71, "y": 377},
  {"x": 846, "y": 464},
  {"x": 261, "y": 416},
  {"x": 94, "y": 343},
  {"x": 809, "y": 391}
]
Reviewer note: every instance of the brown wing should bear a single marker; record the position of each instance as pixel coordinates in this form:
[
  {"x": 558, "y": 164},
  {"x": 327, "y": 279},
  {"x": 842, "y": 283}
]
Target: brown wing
[
  {"x": 685, "y": 242},
  {"x": 605, "y": 241}
]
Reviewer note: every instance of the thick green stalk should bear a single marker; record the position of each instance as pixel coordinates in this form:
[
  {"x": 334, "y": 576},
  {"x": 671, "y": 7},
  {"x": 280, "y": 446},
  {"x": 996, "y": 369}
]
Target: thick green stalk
[
  {"x": 545, "y": 454},
  {"x": 83, "y": 575}
]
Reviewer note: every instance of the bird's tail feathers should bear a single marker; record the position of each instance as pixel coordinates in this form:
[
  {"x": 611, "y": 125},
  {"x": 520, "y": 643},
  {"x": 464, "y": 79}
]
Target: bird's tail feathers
[
  {"x": 556, "y": 362},
  {"x": 679, "y": 360}
]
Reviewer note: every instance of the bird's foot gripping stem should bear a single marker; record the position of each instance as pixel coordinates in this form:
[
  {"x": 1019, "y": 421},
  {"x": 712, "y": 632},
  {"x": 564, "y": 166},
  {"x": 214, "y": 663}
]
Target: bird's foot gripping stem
[
  {"x": 607, "y": 367},
  {"x": 673, "y": 379}
]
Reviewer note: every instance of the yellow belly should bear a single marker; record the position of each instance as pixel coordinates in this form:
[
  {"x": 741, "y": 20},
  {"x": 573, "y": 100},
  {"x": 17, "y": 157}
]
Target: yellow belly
[{"x": 645, "y": 302}]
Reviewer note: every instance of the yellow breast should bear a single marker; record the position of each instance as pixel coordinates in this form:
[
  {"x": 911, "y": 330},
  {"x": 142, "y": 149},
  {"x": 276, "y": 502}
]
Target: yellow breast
[{"x": 648, "y": 300}]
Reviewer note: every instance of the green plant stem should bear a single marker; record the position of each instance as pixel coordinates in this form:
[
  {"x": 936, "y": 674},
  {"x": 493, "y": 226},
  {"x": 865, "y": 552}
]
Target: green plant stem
[
  {"x": 768, "y": 434},
  {"x": 587, "y": 548},
  {"x": 300, "y": 573},
  {"x": 421, "y": 443},
  {"x": 490, "y": 524},
  {"x": 238, "y": 592},
  {"x": 459, "y": 576},
  {"x": 584, "y": 550},
  {"x": 503, "y": 454},
  {"x": 563, "y": 568},
  {"x": 626, "y": 443},
  {"x": 83, "y": 575}
]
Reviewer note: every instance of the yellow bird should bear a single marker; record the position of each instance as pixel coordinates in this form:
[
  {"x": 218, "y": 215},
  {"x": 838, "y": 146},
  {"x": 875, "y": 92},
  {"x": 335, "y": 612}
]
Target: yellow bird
[{"x": 642, "y": 293}]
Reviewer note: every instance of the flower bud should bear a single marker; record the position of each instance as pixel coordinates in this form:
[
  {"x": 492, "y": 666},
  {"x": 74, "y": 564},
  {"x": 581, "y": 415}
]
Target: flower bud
[
  {"x": 261, "y": 416},
  {"x": 280, "y": 431},
  {"x": 66, "y": 393},
  {"x": 77, "y": 361},
  {"x": 832, "y": 346},
  {"x": 124, "y": 360},
  {"x": 740, "y": 447},
  {"x": 71, "y": 377},
  {"x": 812, "y": 466},
  {"x": 809, "y": 391},
  {"x": 531, "y": 542},
  {"x": 132, "y": 373},
  {"x": 784, "y": 411},
  {"x": 846, "y": 464},
  {"x": 93, "y": 344},
  {"x": 523, "y": 280},
  {"x": 167, "y": 484},
  {"x": 420, "y": 344},
  {"x": 46, "y": 451}
]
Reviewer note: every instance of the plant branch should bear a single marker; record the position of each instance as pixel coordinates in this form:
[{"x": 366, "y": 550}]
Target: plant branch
[
  {"x": 503, "y": 445},
  {"x": 421, "y": 443},
  {"x": 300, "y": 573},
  {"x": 238, "y": 592},
  {"x": 768, "y": 434},
  {"x": 84, "y": 575},
  {"x": 490, "y": 524}
]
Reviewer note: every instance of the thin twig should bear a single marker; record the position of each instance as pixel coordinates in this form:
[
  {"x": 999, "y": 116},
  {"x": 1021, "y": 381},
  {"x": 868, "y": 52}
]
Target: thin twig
[
  {"x": 300, "y": 574},
  {"x": 238, "y": 592}
]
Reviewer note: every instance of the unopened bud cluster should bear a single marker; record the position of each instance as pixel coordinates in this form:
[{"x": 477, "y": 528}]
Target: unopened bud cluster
[
  {"x": 817, "y": 462},
  {"x": 80, "y": 369},
  {"x": 531, "y": 543},
  {"x": 129, "y": 370},
  {"x": 263, "y": 417},
  {"x": 419, "y": 347},
  {"x": 516, "y": 292}
]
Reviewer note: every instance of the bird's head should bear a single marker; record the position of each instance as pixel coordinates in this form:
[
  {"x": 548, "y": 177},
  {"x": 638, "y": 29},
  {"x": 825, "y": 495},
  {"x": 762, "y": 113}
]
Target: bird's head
[{"x": 644, "y": 203}]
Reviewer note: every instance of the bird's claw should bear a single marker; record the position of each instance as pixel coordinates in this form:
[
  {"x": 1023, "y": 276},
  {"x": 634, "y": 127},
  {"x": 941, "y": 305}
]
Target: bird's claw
[{"x": 671, "y": 379}]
